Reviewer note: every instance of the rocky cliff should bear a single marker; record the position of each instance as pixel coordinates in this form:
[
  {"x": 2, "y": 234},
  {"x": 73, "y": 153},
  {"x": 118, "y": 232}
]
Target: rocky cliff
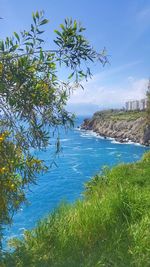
[{"x": 120, "y": 125}]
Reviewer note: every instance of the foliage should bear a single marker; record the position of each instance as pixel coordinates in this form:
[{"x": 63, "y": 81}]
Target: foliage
[
  {"x": 120, "y": 115},
  {"x": 148, "y": 104},
  {"x": 109, "y": 227},
  {"x": 16, "y": 171},
  {"x": 33, "y": 99}
]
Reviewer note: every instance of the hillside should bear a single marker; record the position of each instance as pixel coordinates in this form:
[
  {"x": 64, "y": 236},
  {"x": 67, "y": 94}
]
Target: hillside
[
  {"x": 109, "y": 227},
  {"x": 120, "y": 125}
]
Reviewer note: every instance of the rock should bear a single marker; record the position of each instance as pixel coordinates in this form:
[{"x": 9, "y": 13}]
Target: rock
[{"x": 122, "y": 130}]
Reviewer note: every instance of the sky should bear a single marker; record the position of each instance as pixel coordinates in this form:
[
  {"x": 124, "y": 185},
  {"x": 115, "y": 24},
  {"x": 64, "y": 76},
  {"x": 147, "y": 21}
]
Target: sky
[{"x": 123, "y": 27}]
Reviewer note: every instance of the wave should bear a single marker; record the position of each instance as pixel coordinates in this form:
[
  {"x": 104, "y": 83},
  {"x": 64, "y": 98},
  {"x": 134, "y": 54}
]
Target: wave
[
  {"x": 75, "y": 168},
  {"x": 22, "y": 229},
  {"x": 111, "y": 148},
  {"x": 112, "y": 153},
  {"x": 127, "y": 143},
  {"x": 90, "y": 133}
]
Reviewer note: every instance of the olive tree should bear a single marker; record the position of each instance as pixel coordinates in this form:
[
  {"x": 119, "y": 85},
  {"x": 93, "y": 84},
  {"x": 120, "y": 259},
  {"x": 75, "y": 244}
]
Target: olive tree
[{"x": 33, "y": 100}]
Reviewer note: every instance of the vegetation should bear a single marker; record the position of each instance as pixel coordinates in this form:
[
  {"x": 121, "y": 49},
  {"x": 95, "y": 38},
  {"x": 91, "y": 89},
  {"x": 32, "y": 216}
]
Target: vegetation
[
  {"x": 118, "y": 115},
  {"x": 33, "y": 99},
  {"x": 109, "y": 227},
  {"x": 148, "y": 104}
]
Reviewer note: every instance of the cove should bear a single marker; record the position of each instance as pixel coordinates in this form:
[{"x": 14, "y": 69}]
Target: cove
[{"x": 83, "y": 155}]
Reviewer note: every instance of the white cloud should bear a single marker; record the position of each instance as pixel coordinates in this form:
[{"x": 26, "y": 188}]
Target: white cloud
[
  {"x": 108, "y": 89},
  {"x": 99, "y": 94}
]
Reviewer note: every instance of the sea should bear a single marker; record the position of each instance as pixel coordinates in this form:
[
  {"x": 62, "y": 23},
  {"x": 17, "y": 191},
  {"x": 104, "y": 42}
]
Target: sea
[{"x": 82, "y": 156}]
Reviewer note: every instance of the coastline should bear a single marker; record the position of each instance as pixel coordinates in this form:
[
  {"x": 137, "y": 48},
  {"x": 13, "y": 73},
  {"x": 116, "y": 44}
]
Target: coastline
[
  {"x": 122, "y": 127},
  {"x": 112, "y": 139}
]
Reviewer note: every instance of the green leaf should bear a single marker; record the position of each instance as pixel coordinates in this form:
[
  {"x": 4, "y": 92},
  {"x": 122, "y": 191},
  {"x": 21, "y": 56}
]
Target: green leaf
[
  {"x": 40, "y": 40},
  {"x": 44, "y": 21},
  {"x": 13, "y": 48},
  {"x": 82, "y": 29},
  {"x": 75, "y": 25},
  {"x": 34, "y": 18},
  {"x": 17, "y": 36},
  {"x": 82, "y": 74},
  {"x": 2, "y": 46},
  {"x": 32, "y": 28},
  {"x": 37, "y": 15},
  {"x": 62, "y": 26},
  {"x": 57, "y": 32},
  {"x": 71, "y": 75},
  {"x": 39, "y": 32},
  {"x": 41, "y": 55},
  {"x": 28, "y": 43}
]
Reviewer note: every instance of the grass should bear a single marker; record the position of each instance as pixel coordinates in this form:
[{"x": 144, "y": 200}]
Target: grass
[
  {"x": 117, "y": 115},
  {"x": 110, "y": 227}
]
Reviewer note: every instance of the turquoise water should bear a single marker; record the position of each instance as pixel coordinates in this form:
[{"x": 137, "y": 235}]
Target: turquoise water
[{"x": 83, "y": 156}]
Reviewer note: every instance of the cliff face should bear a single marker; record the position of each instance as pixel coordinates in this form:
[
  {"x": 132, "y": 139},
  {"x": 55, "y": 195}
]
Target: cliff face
[{"x": 123, "y": 126}]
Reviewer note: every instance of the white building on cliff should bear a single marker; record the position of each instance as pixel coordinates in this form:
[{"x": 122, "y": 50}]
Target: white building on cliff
[{"x": 136, "y": 104}]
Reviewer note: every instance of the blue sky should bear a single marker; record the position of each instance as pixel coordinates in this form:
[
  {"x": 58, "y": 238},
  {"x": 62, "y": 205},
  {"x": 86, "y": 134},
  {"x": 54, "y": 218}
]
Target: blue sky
[{"x": 123, "y": 27}]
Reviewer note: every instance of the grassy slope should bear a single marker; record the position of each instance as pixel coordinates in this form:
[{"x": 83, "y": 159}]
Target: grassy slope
[
  {"x": 110, "y": 227},
  {"x": 120, "y": 115}
]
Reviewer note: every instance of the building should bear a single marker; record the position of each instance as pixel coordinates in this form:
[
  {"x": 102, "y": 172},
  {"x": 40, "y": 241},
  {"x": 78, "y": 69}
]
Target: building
[
  {"x": 143, "y": 104},
  {"x": 136, "y": 104}
]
